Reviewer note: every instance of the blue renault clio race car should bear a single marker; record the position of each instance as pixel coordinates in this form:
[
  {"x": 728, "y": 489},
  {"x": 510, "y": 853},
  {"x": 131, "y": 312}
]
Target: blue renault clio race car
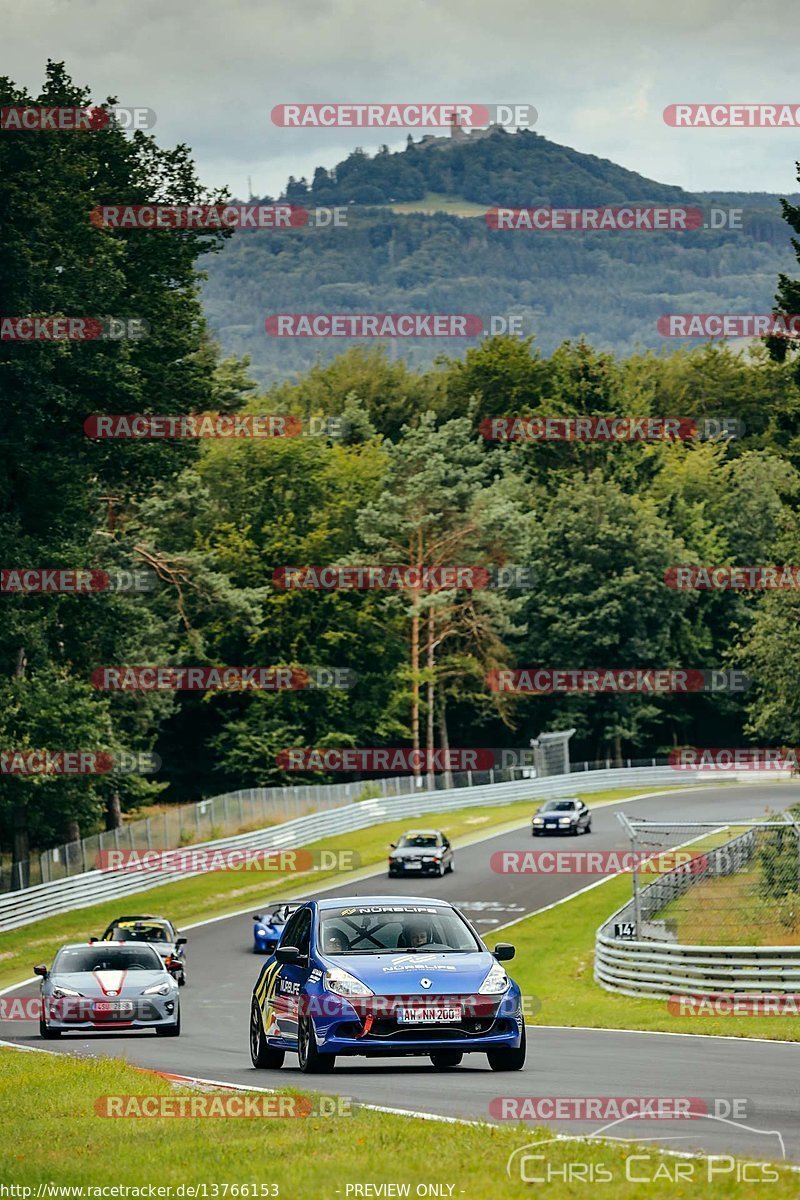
[{"x": 384, "y": 976}]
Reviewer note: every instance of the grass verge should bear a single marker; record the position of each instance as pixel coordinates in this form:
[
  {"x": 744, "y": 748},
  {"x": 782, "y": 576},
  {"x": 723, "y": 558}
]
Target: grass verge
[
  {"x": 555, "y": 963},
  {"x": 54, "y": 1136},
  {"x": 219, "y": 892}
]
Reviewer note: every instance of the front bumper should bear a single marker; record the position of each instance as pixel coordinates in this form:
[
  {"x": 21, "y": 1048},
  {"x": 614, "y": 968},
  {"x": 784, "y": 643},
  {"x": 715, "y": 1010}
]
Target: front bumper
[
  {"x": 537, "y": 829},
  {"x": 424, "y": 868},
  {"x": 137, "y": 1013},
  {"x": 488, "y": 1022}
]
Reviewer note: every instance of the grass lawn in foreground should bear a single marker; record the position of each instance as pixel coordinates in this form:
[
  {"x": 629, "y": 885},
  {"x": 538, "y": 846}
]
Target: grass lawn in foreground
[{"x": 52, "y": 1134}]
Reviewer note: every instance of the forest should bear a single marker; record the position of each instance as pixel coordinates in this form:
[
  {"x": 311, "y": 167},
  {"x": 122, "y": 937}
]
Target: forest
[{"x": 388, "y": 464}]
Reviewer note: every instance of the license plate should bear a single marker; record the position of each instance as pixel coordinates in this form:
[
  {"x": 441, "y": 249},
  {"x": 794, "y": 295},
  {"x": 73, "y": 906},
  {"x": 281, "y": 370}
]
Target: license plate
[
  {"x": 116, "y": 1008},
  {"x": 429, "y": 1016},
  {"x": 412, "y": 866}
]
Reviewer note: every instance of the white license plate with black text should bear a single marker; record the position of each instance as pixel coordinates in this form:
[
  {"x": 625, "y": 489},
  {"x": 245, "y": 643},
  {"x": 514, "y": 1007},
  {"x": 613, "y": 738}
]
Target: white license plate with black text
[{"x": 429, "y": 1016}]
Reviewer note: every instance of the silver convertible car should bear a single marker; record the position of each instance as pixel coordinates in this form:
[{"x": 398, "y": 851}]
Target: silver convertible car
[{"x": 108, "y": 986}]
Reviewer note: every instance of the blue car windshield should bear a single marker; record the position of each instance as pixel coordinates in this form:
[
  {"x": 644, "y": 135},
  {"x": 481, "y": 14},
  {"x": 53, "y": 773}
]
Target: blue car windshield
[{"x": 387, "y": 928}]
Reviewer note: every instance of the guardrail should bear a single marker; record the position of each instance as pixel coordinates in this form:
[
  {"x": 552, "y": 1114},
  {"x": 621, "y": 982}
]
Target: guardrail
[
  {"x": 93, "y": 887},
  {"x": 657, "y": 969},
  {"x": 249, "y": 808}
]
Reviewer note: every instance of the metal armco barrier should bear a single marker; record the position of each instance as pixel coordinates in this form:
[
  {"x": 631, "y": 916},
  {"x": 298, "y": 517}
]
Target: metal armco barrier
[
  {"x": 93, "y": 887},
  {"x": 658, "y": 969},
  {"x": 661, "y": 969}
]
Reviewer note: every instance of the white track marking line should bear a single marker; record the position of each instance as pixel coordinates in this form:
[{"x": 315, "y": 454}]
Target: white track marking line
[
  {"x": 396, "y": 1112},
  {"x": 722, "y": 1037}
]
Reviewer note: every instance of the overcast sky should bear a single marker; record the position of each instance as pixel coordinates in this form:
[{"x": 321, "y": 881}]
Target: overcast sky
[{"x": 599, "y": 75}]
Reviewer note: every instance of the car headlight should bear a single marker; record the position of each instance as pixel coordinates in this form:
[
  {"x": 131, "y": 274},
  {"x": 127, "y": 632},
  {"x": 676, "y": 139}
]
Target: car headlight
[
  {"x": 495, "y": 982},
  {"x": 60, "y": 992},
  {"x": 538, "y": 820},
  {"x": 261, "y": 931},
  {"x": 566, "y": 820},
  {"x": 343, "y": 984},
  {"x": 158, "y": 989}
]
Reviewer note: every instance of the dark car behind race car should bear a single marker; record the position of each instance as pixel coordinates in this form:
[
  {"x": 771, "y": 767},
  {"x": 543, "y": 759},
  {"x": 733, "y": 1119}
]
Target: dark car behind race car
[
  {"x": 157, "y": 932},
  {"x": 421, "y": 852},
  {"x": 567, "y": 815}
]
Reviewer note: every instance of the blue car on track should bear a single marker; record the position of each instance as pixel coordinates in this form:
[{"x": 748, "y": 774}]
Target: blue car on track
[
  {"x": 267, "y": 928},
  {"x": 385, "y": 976}
]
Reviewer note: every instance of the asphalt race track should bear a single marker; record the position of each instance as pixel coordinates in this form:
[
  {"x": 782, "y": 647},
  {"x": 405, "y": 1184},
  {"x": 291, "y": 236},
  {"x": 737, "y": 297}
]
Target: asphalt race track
[{"x": 561, "y": 1061}]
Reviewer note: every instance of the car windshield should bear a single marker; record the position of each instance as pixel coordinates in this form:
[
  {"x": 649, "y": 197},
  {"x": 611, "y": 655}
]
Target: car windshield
[
  {"x": 559, "y": 806},
  {"x": 106, "y": 958},
  {"x": 420, "y": 840},
  {"x": 387, "y": 928},
  {"x": 139, "y": 931}
]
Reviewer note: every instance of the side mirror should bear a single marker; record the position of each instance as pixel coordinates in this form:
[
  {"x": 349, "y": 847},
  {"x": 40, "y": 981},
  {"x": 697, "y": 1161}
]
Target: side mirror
[
  {"x": 181, "y": 941},
  {"x": 257, "y": 917},
  {"x": 392, "y": 845},
  {"x": 503, "y": 951},
  {"x": 93, "y": 940},
  {"x": 287, "y": 954},
  {"x": 41, "y": 969}
]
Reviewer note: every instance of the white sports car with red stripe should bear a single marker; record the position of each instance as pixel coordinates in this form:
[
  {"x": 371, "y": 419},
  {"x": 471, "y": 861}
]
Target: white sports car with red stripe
[{"x": 108, "y": 986}]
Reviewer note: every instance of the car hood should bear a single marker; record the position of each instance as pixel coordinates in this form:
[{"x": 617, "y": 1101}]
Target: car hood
[
  {"x": 554, "y": 816},
  {"x": 401, "y": 973},
  {"x": 109, "y": 983}
]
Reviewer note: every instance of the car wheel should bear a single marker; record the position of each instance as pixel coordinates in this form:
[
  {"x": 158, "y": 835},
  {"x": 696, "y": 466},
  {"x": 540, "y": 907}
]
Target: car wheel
[
  {"x": 575, "y": 831},
  {"x": 311, "y": 1061},
  {"x": 441, "y": 870},
  {"x": 263, "y": 1056},
  {"x": 46, "y": 1032},
  {"x": 169, "y": 1030},
  {"x": 507, "y": 1058},
  {"x": 182, "y": 980},
  {"x": 452, "y": 866},
  {"x": 589, "y": 826},
  {"x": 444, "y": 1059}
]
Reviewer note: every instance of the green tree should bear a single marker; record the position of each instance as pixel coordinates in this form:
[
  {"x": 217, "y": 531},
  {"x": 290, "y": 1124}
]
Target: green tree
[{"x": 444, "y": 502}]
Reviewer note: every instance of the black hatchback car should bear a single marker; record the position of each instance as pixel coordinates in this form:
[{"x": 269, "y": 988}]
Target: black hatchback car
[
  {"x": 421, "y": 852},
  {"x": 569, "y": 815}
]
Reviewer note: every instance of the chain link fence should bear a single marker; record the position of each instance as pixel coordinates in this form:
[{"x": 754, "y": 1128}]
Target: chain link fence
[
  {"x": 704, "y": 884},
  {"x": 253, "y": 808}
]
